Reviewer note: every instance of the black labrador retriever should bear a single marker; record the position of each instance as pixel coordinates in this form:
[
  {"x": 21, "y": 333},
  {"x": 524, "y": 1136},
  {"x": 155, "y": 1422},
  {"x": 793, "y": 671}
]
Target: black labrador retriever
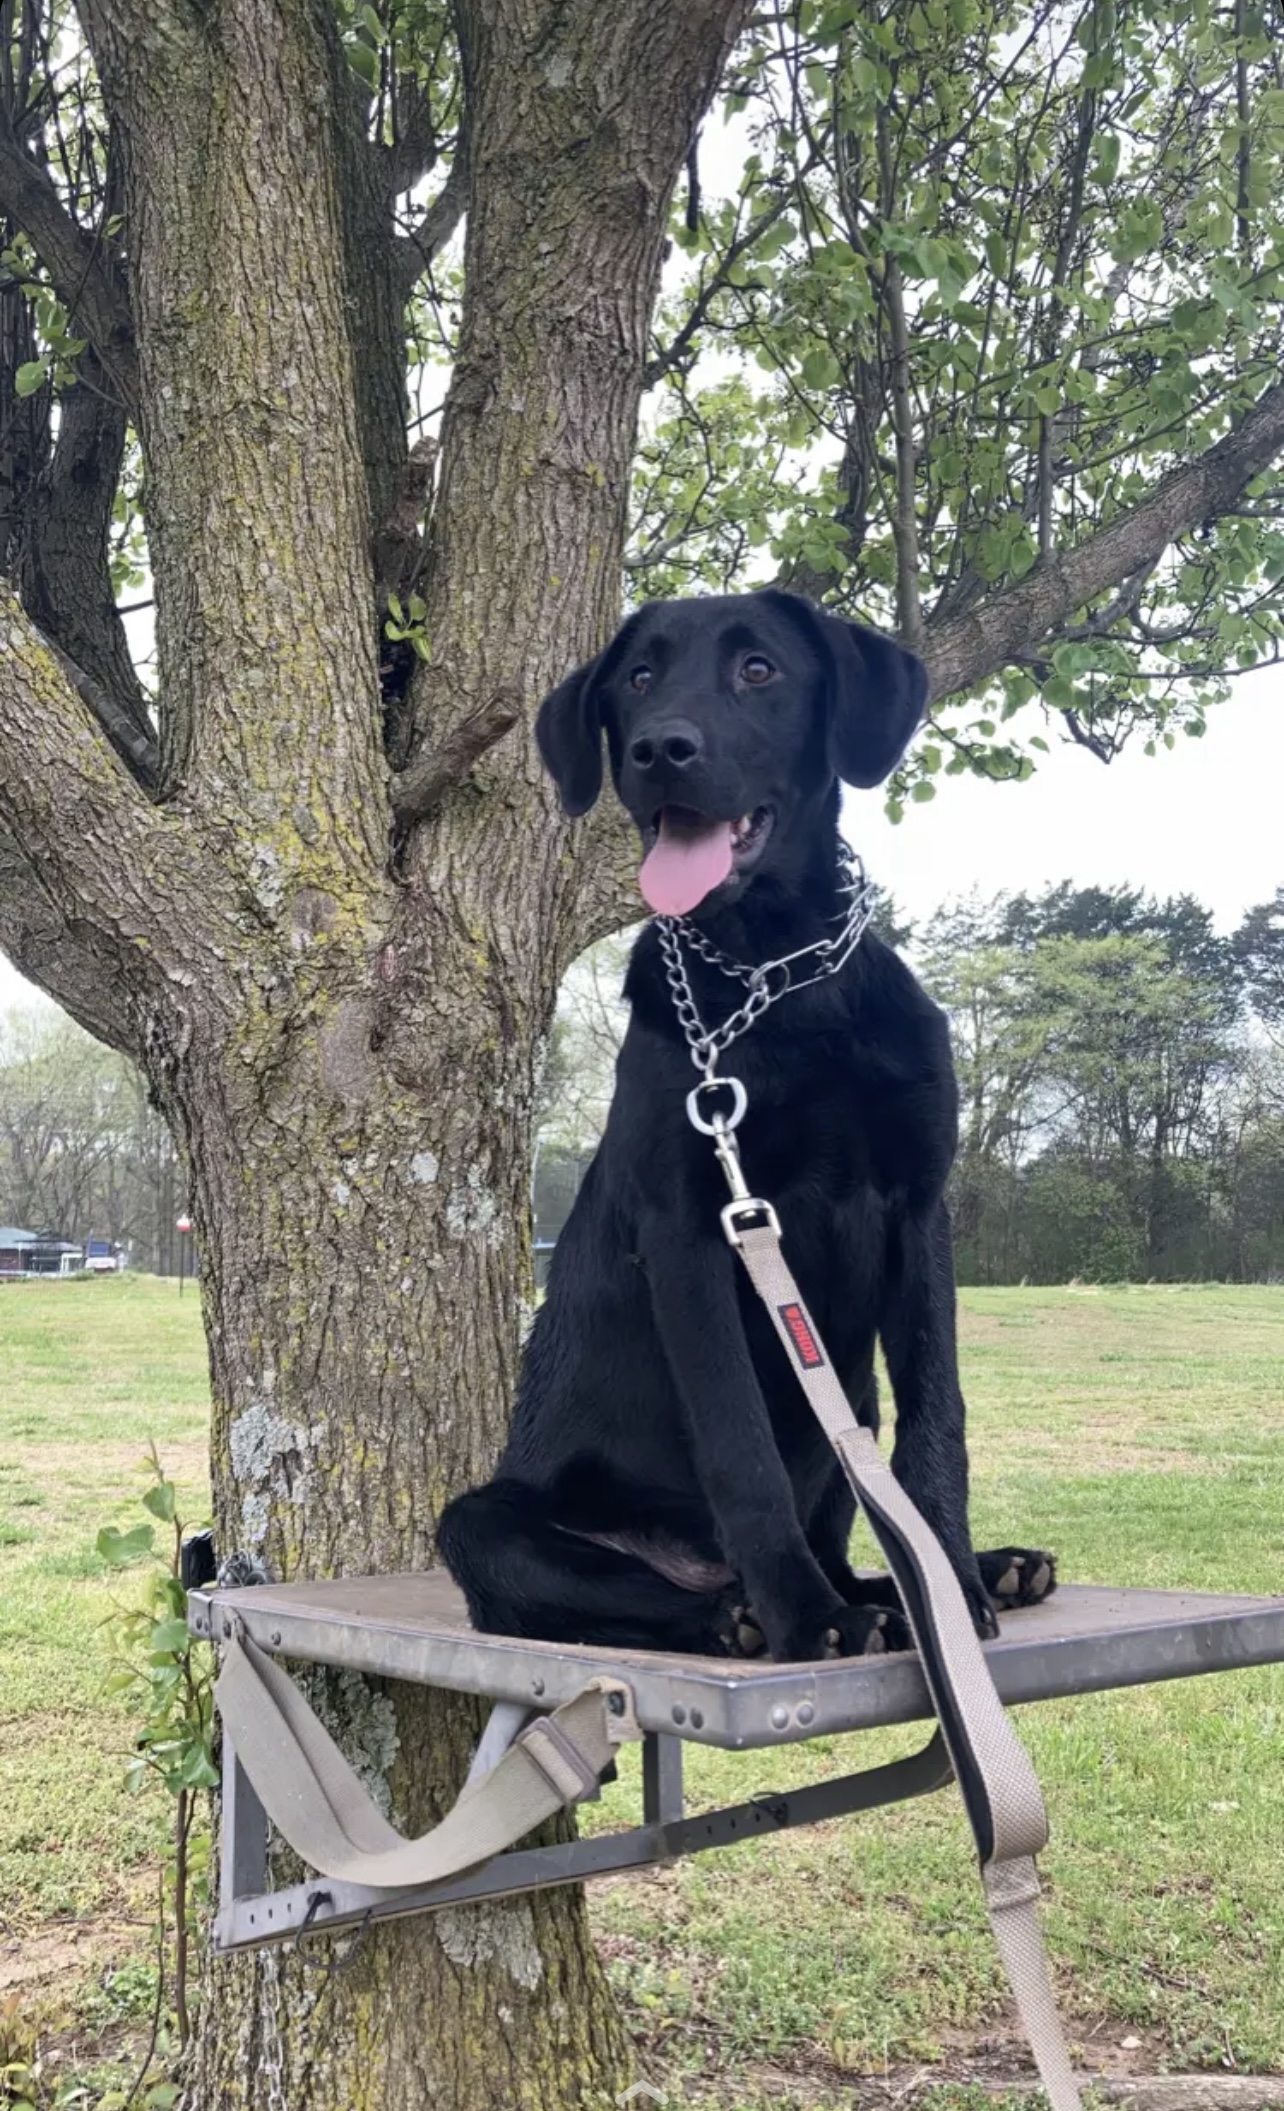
[{"x": 665, "y": 1485}]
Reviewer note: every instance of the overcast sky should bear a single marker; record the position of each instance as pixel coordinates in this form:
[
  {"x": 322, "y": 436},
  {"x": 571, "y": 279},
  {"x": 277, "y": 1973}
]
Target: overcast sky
[{"x": 1203, "y": 819}]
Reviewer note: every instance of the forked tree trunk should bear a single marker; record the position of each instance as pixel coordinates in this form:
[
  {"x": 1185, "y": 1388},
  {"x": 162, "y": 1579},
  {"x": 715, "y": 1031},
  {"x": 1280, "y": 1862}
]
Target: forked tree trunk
[{"x": 343, "y": 1020}]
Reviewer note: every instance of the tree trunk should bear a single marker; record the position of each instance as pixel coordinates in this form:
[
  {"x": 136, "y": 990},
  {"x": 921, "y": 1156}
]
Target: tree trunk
[{"x": 343, "y": 1019}]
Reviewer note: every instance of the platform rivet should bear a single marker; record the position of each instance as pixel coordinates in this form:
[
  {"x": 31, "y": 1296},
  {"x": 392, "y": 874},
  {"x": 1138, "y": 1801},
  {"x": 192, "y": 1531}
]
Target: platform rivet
[
  {"x": 679, "y": 1715},
  {"x": 697, "y": 1719},
  {"x": 779, "y": 1717},
  {"x": 537, "y": 1687},
  {"x": 806, "y": 1714},
  {"x": 276, "y": 1638}
]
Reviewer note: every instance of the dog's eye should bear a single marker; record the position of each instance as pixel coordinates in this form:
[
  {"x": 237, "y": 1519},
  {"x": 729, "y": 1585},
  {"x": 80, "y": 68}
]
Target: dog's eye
[
  {"x": 756, "y": 670},
  {"x": 640, "y": 679}
]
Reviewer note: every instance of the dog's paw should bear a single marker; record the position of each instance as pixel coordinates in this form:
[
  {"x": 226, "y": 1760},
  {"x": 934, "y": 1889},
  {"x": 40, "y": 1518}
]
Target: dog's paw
[
  {"x": 1017, "y": 1576},
  {"x": 744, "y": 1636},
  {"x": 865, "y": 1631}
]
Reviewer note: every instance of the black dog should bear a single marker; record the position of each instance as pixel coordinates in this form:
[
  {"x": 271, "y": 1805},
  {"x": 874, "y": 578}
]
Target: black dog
[{"x": 664, "y": 1471}]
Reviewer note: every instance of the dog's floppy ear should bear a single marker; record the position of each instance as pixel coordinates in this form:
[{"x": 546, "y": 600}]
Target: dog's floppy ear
[
  {"x": 568, "y": 729},
  {"x": 877, "y": 694}
]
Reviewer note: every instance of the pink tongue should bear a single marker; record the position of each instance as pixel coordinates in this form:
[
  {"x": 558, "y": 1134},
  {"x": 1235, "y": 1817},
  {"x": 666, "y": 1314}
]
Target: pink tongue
[{"x": 690, "y": 859}]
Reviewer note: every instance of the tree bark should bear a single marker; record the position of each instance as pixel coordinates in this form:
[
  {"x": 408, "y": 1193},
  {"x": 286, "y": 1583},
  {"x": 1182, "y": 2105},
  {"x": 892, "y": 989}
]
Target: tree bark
[{"x": 344, "y": 1024}]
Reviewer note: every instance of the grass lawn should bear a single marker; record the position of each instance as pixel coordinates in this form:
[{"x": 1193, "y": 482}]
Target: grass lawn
[{"x": 1140, "y": 1432}]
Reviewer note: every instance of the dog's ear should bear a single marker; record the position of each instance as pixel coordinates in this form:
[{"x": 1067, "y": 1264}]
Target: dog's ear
[
  {"x": 568, "y": 728},
  {"x": 877, "y": 693}
]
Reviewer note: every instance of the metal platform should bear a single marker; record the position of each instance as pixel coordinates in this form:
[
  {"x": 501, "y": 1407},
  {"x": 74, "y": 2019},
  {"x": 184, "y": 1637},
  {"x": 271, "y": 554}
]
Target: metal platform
[{"x": 1085, "y": 1638}]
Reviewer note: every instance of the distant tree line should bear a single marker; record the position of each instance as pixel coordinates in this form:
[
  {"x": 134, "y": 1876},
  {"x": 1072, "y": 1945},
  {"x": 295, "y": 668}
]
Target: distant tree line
[
  {"x": 1121, "y": 1081},
  {"x": 83, "y": 1154},
  {"x": 1121, "y": 1077},
  {"x": 1121, "y": 1087}
]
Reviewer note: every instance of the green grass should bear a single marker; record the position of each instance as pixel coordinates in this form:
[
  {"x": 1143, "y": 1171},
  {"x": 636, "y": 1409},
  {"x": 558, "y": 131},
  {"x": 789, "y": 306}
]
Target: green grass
[{"x": 1139, "y": 1432}]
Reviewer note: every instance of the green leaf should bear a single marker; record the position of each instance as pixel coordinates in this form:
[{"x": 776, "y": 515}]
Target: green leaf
[
  {"x": 1107, "y": 147},
  {"x": 820, "y": 369},
  {"x": 30, "y": 377},
  {"x": 922, "y": 791},
  {"x": 160, "y": 1501},
  {"x": 169, "y": 1637},
  {"x": 196, "y": 1771},
  {"x": 364, "y": 62},
  {"x": 122, "y": 1548}
]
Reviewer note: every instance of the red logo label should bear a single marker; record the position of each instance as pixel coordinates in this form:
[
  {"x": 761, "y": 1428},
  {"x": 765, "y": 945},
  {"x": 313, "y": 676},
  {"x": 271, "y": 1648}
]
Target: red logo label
[{"x": 806, "y": 1347}]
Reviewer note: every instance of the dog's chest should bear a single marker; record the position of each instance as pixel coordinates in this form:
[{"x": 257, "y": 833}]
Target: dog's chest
[{"x": 814, "y": 1147}]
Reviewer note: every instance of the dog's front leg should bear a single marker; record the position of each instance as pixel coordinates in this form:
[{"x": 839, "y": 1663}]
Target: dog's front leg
[
  {"x": 930, "y": 1455},
  {"x": 733, "y": 1446}
]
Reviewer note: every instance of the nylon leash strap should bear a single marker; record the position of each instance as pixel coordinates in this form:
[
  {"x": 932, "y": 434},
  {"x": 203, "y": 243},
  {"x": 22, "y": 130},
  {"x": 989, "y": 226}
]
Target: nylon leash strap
[{"x": 1000, "y": 1791}]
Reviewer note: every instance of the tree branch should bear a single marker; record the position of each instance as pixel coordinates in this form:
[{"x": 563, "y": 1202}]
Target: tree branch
[
  {"x": 425, "y": 781},
  {"x": 136, "y": 746},
  {"x": 64, "y": 571},
  {"x": 673, "y": 354},
  {"x": 962, "y": 651},
  {"x": 416, "y": 251},
  {"x": 51, "y": 951},
  {"x": 413, "y": 153},
  {"x": 69, "y": 812},
  {"x": 81, "y": 274}
]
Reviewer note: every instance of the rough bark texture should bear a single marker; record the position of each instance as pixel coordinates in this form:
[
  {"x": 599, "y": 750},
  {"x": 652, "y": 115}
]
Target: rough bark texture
[{"x": 343, "y": 1026}]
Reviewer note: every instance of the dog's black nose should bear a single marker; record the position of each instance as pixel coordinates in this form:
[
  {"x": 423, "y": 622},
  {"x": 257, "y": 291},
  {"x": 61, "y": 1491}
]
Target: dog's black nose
[{"x": 670, "y": 743}]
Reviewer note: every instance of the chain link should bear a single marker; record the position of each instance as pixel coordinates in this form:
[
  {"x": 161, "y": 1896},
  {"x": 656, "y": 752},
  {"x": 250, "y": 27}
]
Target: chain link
[
  {"x": 829, "y": 954},
  {"x": 273, "y": 2049}
]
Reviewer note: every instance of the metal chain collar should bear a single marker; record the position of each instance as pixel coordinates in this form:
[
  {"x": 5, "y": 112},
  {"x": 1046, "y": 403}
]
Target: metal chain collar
[{"x": 828, "y": 954}]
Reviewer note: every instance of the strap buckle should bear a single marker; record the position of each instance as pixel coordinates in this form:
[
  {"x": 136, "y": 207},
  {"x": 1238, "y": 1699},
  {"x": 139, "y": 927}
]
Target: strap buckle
[
  {"x": 559, "y": 1759},
  {"x": 746, "y": 1206}
]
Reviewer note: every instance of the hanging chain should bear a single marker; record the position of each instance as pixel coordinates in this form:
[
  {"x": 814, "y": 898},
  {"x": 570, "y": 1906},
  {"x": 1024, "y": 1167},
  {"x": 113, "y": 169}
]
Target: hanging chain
[
  {"x": 770, "y": 982},
  {"x": 273, "y": 2049}
]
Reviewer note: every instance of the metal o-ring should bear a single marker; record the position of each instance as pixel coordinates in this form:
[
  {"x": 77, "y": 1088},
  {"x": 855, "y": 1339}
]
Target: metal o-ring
[{"x": 718, "y": 1123}]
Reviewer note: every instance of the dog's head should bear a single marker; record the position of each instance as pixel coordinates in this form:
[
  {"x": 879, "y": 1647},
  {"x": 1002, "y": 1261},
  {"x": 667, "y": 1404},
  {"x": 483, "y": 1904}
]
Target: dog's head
[{"x": 727, "y": 721}]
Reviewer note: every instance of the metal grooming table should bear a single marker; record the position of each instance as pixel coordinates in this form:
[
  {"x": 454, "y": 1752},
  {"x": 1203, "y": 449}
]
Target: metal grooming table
[{"x": 1084, "y": 1639}]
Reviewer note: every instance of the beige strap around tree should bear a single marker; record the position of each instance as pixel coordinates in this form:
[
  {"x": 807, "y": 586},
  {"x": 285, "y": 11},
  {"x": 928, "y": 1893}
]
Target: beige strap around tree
[
  {"x": 319, "y": 1805},
  {"x": 1000, "y": 1792}
]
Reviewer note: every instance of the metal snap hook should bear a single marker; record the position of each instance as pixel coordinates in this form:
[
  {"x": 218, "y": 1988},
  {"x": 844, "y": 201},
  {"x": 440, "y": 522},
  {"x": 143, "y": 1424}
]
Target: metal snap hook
[{"x": 720, "y": 1122}]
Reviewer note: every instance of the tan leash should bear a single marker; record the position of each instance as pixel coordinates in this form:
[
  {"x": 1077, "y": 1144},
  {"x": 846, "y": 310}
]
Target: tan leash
[{"x": 1000, "y": 1792}]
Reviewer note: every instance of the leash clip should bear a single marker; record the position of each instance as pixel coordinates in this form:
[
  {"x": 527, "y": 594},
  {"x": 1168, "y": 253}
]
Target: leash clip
[{"x": 722, "y": 1127}]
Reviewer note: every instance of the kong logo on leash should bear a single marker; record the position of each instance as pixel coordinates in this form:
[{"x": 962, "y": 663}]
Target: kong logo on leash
[{"x": 806, "y": 1346}]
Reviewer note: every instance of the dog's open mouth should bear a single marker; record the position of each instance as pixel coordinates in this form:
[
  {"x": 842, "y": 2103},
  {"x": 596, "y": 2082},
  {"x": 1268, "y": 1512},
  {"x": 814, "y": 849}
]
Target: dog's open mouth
[{"x": 688, "y": 855}]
